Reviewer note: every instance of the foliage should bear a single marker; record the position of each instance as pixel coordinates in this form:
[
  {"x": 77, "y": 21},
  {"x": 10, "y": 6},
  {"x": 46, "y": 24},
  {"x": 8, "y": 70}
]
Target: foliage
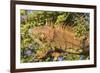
[{"x": 82, "y": 26}]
